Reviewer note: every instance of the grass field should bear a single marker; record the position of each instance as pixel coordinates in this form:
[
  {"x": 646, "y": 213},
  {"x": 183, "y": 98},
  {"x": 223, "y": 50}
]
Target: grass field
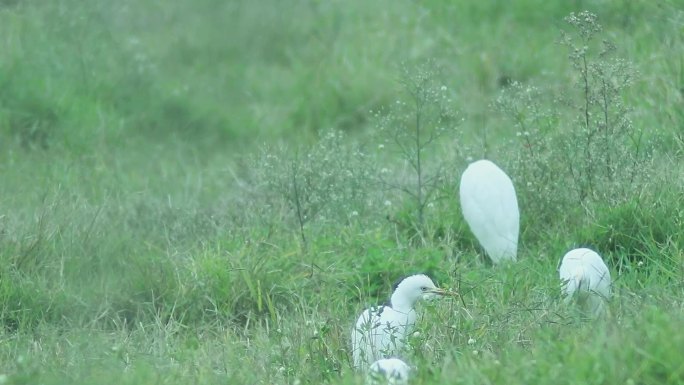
[{"x": 204, "y": 192}]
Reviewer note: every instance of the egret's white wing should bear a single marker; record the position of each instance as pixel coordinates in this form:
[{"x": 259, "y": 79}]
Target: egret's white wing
[
  {"x": 362, "y": 343},
  {"x": 380, "y": 332},
  {"x": 571, "y": 272},
  {"x": 490, "y": 207}
]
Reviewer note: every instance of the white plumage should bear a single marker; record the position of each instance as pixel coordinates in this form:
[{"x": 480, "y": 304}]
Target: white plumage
[
  {"x": 585, "y": 279},
  {"x": 388, "y": 371},
  {"x": 380, "y": 332},
  {"x": 490, "y": 207}
]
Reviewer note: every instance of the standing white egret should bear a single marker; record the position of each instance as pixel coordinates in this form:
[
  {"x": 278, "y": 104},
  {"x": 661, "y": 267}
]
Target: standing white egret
[
  {"x": 490, "y": 207},
  {"x": 380, "y": 332},
  {"x": 585, "y": 278},
  {"x": 388, "y": 371}
]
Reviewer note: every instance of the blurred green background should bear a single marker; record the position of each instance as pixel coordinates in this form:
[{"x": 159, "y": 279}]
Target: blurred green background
[{"x": 146, "y": 236}]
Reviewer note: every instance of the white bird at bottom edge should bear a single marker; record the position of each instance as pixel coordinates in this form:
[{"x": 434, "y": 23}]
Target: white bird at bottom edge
[{"x": 388, "y": 371}]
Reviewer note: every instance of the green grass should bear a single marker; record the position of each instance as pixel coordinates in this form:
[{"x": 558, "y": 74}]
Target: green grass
[{"x": 146, "y": 238}]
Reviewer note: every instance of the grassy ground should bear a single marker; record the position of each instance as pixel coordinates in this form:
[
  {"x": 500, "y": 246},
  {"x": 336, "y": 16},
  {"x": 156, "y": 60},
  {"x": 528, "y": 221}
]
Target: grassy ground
[{"x": 174, "y": 208}]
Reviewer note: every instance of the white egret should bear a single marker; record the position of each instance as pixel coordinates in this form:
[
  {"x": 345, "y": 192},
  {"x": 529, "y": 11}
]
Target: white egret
[
  {"x": 585, "y": 279},
  {"x": 388, "y": 371},
  {"x": 380, "y": 332},
  {"x": 490, "y": 207}
]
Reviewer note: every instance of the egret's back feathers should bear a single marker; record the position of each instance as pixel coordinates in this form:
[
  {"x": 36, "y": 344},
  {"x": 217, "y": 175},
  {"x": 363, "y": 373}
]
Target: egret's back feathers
[
  {"x": 490, "y": 207},
  {"x": 585, "y": 279}
]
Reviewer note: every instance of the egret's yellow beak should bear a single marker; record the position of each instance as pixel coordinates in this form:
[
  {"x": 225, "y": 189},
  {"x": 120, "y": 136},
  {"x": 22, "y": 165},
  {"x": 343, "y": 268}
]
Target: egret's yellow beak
[
  {"x": 443, "y": 292},
  {"x": 448, "y": 293}
]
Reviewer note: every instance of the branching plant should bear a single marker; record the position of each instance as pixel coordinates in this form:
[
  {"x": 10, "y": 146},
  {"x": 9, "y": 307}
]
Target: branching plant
[
  {"x": 605, "y": 148},
  {"x": 326, "y": 181},
  {"x": 412, "y": 127},
  {"x": 577, "y": 151},
  {"x": 535, "y": 119},
  {"x": 581, "y": 146}
]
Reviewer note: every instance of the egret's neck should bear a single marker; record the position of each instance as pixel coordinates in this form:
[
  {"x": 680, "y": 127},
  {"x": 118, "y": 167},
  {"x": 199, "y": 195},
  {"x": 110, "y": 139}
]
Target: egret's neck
[{"x": 400, "y": 303}]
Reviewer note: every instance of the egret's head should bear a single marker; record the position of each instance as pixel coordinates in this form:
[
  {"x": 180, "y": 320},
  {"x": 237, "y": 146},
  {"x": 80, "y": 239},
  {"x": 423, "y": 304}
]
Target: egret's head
[{"x": 414, "y": 288}]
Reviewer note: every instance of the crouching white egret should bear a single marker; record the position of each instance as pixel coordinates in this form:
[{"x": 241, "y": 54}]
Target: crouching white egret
[
  {"x": 380, "y": 332},
  {"x": 490, "y": 207},
  {"x": 585, "y": 279},
  {"x": 388, "y": 371}
]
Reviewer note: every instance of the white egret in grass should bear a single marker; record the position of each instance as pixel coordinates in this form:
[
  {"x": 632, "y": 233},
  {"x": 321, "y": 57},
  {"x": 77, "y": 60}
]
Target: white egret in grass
[
  {"x": 380, "y": 332},
  {"x": 490, "y": 207},
  {"x": 585, "y": 279},
  {"x": 388, "y": 371}
]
